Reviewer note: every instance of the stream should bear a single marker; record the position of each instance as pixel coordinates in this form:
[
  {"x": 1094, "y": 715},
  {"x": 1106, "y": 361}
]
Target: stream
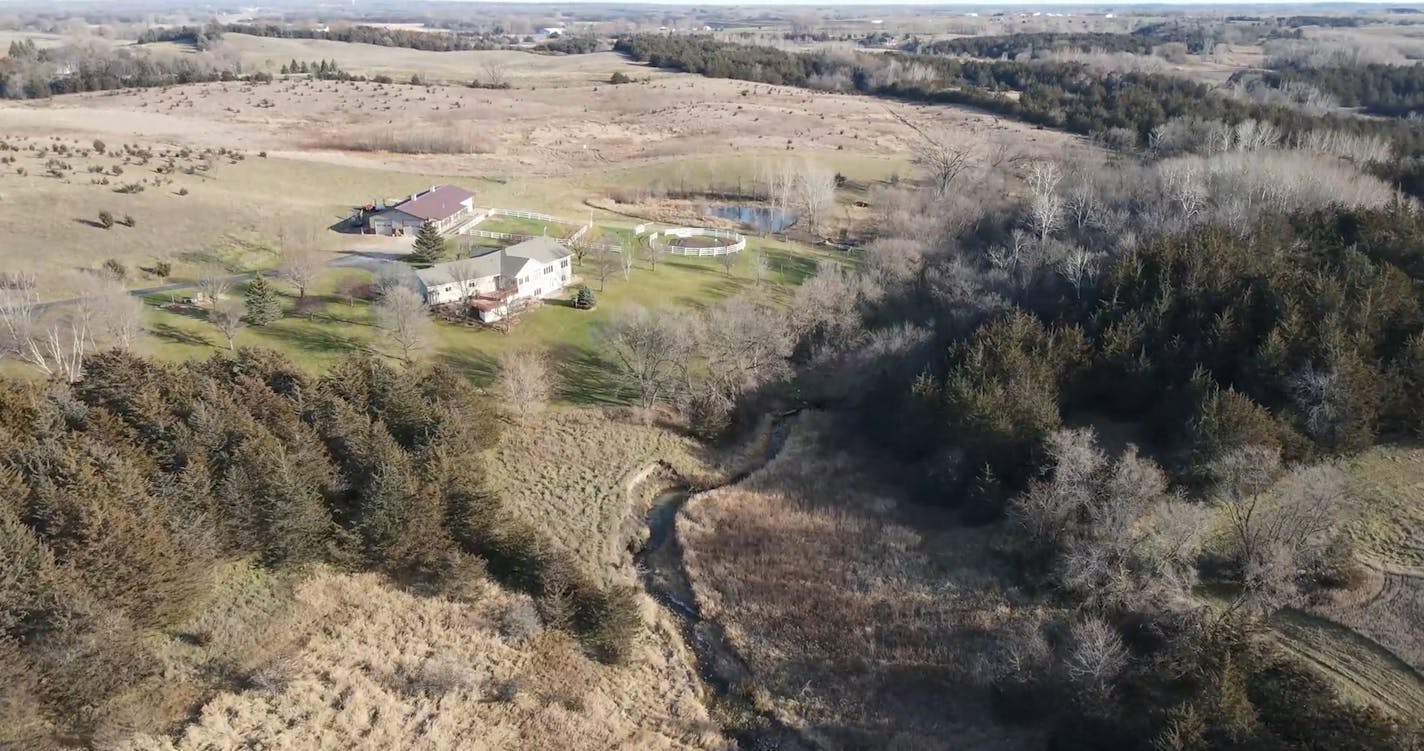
[{"x": 660, "y": 566}]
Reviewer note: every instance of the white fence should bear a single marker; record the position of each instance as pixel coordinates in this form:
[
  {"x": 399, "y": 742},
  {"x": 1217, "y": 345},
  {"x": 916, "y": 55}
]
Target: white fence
[
  {"x": 526, "y": 215},
  {"x": 735, "y": 242}
]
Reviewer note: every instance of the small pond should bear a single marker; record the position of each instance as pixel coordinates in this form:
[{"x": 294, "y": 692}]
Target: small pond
[{"x": 759, "y": 218}]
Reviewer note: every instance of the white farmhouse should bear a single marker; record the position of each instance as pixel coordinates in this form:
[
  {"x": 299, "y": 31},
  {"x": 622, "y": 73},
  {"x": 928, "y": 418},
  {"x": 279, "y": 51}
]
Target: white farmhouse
[{"x": 496, "y": 282}]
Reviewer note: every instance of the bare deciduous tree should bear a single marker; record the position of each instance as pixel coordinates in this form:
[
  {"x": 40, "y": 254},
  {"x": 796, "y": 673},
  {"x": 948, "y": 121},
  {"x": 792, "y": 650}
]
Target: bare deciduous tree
[
  {"x": 1321, "y": 396},
  {"x": 523, "y": 384},
  {"x": 214, "y": 283},
  {"x": 1096, "y": 657},
  {"x": 1277, "y": 530},
  {"x": 52, "y": 342},
  {"x": 1045, "y": 203},
  {"x": 816, "y": 194},
  {"x": 226, "y": 317},
  {"x": 940, "y": 153},
  {"x": 496, "y": 73},
  {"x": 1079, "y": 266},
  {"x": 625, "y": 261},
  {"x": 779, "y": 182},
  {"x": 393, "y": 276},
  {"x": 652, "y": 251},
  {"x": 302, "y": 267},
  {"x": 603, "y": 262},
  {"x": 404, "y": 323},
  {"x": 647, "y": 351},
  {"x": 118, "y": 316}
]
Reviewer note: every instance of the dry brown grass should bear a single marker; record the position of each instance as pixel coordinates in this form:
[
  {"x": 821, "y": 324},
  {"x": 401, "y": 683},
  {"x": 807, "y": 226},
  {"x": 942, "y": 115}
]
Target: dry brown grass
[
  {"x": 385, "y": 669},
  {"x": 857, "y": 629},
  {"x": 570, "y": 473},
  {"x": 1387, "y": 487},
  {"x": 448, "y": 139}
]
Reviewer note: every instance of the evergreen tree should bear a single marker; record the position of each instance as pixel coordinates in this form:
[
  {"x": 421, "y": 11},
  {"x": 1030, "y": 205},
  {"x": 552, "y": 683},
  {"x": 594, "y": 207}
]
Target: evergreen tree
[
  {"x": 430, "y": 245},
  {"x": 263, "y": 307},
  {"x": 585, "y": 300}
]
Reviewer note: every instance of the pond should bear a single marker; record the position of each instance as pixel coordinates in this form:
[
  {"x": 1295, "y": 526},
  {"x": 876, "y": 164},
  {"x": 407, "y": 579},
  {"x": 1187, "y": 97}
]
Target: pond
[{"x": 759, "y": 218}]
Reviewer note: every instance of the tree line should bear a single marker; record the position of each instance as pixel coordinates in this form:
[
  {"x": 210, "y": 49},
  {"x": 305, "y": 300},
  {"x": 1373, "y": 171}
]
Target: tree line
[
  {"x": 37, "y": 73},
  {"x": 124, "y": 491},
  {"x": 1377, "y": 88},
  {"x": 1124, "y": 109},
  {"x": 1011, "y": 46},
  {"x": 430, "y": 41}
]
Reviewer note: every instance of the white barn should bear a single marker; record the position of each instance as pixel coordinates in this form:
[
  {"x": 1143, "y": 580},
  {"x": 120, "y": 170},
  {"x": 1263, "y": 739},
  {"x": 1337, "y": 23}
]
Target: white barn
[{"x": 531, "y": 270}]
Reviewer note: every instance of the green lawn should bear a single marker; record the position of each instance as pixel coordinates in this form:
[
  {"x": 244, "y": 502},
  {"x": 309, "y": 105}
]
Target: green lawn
[
  {"x": 330, "y": 328},
  {"x": 519, "y": 226}
]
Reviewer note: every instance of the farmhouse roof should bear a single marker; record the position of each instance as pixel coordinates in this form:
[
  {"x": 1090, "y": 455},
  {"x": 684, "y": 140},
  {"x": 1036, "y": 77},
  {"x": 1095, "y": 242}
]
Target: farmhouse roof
[
  {"x": 541, "y": 249},
  {"x": 507, "y": 262},
  {"x": 440, "y": 202},
  {"x": 451, "y": 272}
]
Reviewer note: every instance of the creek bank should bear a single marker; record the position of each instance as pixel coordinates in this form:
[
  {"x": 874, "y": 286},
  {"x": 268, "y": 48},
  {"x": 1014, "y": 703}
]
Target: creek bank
[{"x": 664, "y": 576}]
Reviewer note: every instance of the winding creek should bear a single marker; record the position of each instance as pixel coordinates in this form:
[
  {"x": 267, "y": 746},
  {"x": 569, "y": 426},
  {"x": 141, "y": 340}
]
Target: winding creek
[{"x": 664, "y": 577}]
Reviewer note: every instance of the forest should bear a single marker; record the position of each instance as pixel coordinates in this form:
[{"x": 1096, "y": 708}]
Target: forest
[
  {"x": 1377, "y": 88},
  {"x": 122, "y": 494},
  {"x": 1241, "y": 344}
]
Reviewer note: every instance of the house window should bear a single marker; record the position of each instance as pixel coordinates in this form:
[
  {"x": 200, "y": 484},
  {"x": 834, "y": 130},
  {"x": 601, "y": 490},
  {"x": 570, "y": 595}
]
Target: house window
[{"x": 564, "y": 263}]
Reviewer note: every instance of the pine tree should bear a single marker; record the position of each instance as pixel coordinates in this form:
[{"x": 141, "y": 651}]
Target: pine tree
[
  {"x": 429, "y": 244},
  {"x": 585, "y": 300},
  {"x": 284, "y": 69},
  {"x": 263, "y": 307}
]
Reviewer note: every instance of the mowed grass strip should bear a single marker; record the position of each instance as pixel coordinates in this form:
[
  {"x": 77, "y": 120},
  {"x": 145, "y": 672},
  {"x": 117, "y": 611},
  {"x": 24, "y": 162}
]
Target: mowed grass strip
[{"x": 1386, "y": 485}]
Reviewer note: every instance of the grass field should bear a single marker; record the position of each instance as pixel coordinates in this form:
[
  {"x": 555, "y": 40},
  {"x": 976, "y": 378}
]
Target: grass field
[
  {"x": 578, "y": 490},
  {"x": 520, "y": 226},
  {"x": 521, "y": 68},
  {"x": 1360, "y": 668},
  {"x": 1387, "y": 485}
]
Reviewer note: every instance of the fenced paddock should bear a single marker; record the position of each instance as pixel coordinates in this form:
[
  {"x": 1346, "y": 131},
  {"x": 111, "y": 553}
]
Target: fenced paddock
[
  {"x": 697, "y": 241},
  {"x": 567, "y": 231}
]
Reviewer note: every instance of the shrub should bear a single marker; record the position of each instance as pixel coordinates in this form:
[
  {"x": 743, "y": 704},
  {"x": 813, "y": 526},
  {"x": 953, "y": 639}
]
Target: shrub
[
  {"x": 128, "y": 220},
  {"x": 116, "y": 269},
  {"x": 106, "y": 220},
  {"x": 619, "y": 77}
]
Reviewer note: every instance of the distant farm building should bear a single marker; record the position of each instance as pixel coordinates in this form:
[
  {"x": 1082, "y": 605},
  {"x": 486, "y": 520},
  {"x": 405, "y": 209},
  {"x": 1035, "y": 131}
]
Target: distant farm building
[
  {"x": 496, "y": 283},
  {"x": 448, "y": 206}
]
